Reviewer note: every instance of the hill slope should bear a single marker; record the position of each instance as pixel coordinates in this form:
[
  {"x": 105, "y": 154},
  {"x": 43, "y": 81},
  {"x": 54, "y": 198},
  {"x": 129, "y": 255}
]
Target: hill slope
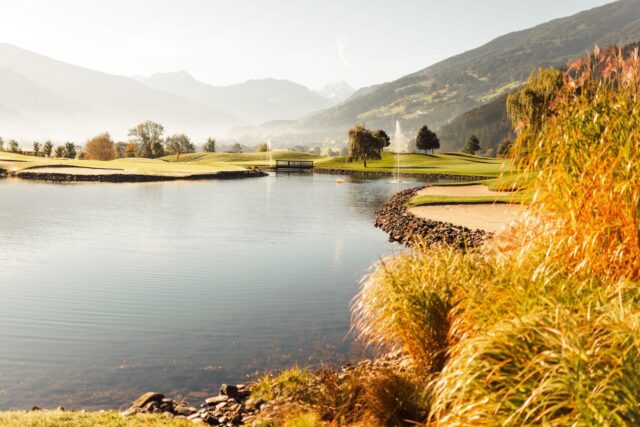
[
  {"x": 440, "y": 92},
  {"x": 68, "y": 101},
  {"x": 255, "y": 101}
]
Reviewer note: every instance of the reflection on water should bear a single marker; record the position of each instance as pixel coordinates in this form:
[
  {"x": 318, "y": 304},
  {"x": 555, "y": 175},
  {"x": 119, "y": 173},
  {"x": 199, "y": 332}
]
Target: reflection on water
[{"x": 109, "y": 290}]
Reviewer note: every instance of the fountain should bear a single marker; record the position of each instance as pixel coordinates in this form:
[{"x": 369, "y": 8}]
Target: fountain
[
  {"x": 399, "y": 143},
  {"x": 269, "y": 153}
]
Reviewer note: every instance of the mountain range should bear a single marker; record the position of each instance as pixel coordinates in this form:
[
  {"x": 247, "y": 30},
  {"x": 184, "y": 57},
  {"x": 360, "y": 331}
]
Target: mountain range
[
  {"x": 41, "y": 97},
  {"x": 254, "y": 101},
  {"x": 439, "y": 93}
]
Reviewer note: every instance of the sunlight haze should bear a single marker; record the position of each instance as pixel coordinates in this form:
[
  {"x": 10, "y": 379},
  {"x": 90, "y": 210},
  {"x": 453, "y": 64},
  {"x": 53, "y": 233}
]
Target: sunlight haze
[{"x": 310, "y": 42}]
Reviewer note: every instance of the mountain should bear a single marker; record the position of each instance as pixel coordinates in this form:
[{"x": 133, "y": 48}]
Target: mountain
[
  {"x": 336, "y": 92},
  {"x": 488, "y": 122},
  {"x": 442, "y": 91},
  {"x": 64, "y": 101},
  {"x": 255, "y": 101}
]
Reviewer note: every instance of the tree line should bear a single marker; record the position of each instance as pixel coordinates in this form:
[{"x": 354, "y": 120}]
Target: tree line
[{"x": 145, "y": 140}]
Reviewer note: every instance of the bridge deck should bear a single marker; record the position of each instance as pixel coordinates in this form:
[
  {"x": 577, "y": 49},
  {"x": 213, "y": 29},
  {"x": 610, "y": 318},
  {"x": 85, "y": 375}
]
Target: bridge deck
[{"x": 294, "y": 164}]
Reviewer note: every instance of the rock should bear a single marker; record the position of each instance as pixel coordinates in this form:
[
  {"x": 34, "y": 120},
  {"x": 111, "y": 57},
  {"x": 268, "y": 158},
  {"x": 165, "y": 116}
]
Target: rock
[
  {"x": 184, "y": 410},
  {"x": 193, "y": 416},
  {"x": 60, "y": 408},
  {"x": 168, "y": 414},
  {"x": 229, "y": 390},
  {"x": 147, "y": 398},
  {"x": 252, "y": 403},
  {"x": 36, "y": 408},
  {"x": 214, "y": 400}
]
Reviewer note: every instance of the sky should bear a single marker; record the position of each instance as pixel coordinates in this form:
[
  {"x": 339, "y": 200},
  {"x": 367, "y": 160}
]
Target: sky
[{"x": 311, "y": 42}]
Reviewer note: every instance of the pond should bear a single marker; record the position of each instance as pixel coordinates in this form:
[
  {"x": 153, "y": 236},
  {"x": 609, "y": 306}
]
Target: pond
[{"x": 111, "y": 290}]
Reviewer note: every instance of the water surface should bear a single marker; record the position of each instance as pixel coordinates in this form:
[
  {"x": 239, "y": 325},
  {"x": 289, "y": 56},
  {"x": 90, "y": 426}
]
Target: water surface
[{"x": 110, "y": 290}]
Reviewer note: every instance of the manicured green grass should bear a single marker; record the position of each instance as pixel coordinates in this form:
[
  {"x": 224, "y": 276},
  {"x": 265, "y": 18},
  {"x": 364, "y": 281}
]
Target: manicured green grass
[
  {"x": 239, "y": 159},
  {"x": 427, "y": 164},
  {"x": 89, "y": 419},
  {"x": 512, "y": 198},
  {"x": 17, "y": 162}
]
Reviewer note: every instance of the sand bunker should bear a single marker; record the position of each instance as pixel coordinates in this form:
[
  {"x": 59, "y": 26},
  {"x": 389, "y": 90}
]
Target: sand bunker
[{"x": 488, "y": 217}]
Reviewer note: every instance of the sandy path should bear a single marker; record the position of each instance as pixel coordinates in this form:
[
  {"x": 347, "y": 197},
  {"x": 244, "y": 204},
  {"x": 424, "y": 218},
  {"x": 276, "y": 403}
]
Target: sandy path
[{"x": 477, "y": 190}]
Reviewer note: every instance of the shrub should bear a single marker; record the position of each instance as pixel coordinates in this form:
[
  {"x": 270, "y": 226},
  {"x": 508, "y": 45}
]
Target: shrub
[
  {"x": 100, "y": 147},
  {"x": 542, "y": 325}
]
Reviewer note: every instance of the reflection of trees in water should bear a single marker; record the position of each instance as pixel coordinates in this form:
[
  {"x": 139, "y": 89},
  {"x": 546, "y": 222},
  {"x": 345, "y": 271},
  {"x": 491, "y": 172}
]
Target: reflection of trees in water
[{"x": 365, "y": 200}]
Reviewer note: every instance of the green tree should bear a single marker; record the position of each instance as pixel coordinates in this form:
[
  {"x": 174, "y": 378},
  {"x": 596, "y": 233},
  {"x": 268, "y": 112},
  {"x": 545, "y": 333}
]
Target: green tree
[
  {"x": 472, "y": 145},
  {"x": 529, "y": 106},
  {"x": 1, "y": 144},
  {"x": 262, "y": 148},
  {"x": 70, "y": 150},
  {"x": 59, "y": 151},
  {"x": 209, "y": 146},
  {"x": 236, "y": 148},
  {"x": 179, "y": 143},
  {"x": 427, "y": 139},
  {"x": 365, "y": 144},
  {"x": 47, "y": 149},
  {"x": 504, "y": 148},
  {"x": 148, "y": 139},
  {"x": 36, "y": 148},
  {"x": 14, "y": 147},
  {"x": 120, "y": 148}
]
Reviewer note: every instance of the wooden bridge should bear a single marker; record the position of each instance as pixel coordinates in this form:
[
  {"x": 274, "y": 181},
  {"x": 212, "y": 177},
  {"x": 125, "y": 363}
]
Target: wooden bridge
[{"x": 294, "y": 165}]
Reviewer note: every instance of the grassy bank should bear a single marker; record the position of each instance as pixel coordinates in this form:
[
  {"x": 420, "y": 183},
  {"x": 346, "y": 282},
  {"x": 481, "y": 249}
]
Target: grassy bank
[
  {"x": 425, "y": 164},
  {"x": 422, "y": 164},
  {"x": 541, "y": 326},
  {"x": 16, "y": 163},
  {"x": 88, "y": 419},
  {"x": 515, "y": 198},
  {"x": 204, "y": 163}
]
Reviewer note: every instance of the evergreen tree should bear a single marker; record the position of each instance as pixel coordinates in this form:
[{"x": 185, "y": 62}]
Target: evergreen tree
[
  {"x": 209, "y": 146},
  {"x": 472, "y": 145},
  {"x": 427, "y": 139}
]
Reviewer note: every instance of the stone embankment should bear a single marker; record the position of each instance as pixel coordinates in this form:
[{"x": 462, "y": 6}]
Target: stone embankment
[
  {"x": 374, "y": 174},
  {"x": 406, "y": 228}
]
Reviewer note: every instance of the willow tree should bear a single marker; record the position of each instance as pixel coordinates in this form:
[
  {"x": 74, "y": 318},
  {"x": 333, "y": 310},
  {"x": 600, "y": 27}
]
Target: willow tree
[
  {"x": 365, "y": 144},
  {"x": 528, "y": 106}
]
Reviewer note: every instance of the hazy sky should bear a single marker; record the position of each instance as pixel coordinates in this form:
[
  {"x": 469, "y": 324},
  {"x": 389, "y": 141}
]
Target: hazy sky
[{"x": 311, "y": 42}]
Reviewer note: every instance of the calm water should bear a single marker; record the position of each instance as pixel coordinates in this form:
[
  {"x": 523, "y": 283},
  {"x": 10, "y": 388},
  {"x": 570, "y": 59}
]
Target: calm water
[{"x": 110, "y": 290}]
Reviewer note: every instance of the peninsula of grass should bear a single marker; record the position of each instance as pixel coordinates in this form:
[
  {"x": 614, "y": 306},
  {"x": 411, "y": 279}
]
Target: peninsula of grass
[
  {"x": 453, "y": 164},
  {"x": 20, "y": 165}
]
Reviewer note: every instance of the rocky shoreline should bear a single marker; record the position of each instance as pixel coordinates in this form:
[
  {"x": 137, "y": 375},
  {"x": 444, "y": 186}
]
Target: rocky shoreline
[
  {"x": 406, "y": 228},
  {"x": 374, "y": 174},
  {"x": 130, "y": 178},
  {"x": 235, "y": 405}
]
